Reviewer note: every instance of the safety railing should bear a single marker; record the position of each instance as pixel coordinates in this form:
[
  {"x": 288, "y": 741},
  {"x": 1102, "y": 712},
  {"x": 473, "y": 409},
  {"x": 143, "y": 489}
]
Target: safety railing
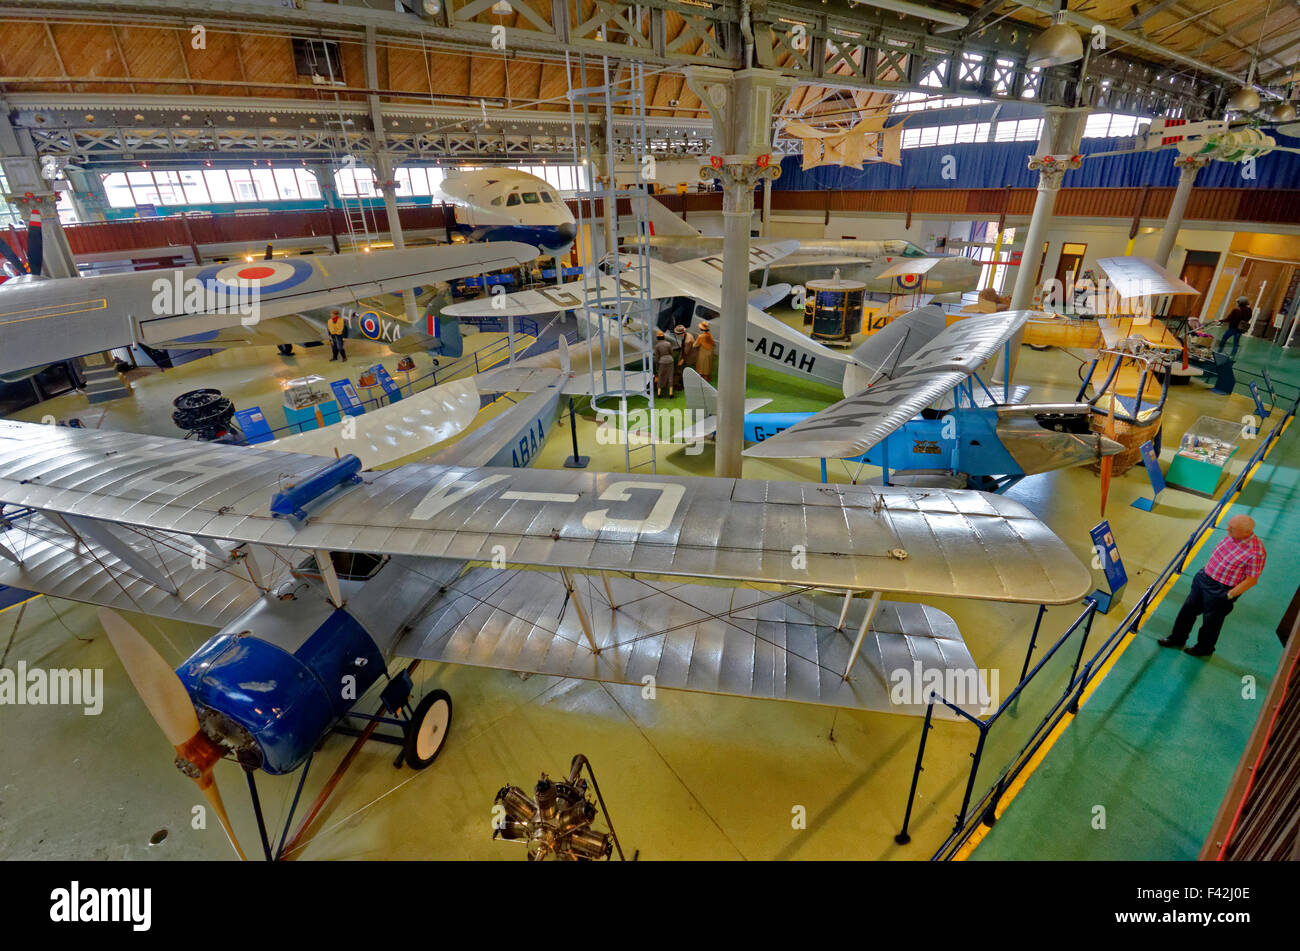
[
  {"x": 1054, "y": 687},
  {"x": 468, "y": 365}
]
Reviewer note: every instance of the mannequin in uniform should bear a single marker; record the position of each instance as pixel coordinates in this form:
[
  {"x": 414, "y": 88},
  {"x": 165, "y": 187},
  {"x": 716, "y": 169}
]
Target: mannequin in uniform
[
  {"x": 335, "y": 327},
  {"x": 664, "y": 364},
  {"x": 704, "y": 347}
]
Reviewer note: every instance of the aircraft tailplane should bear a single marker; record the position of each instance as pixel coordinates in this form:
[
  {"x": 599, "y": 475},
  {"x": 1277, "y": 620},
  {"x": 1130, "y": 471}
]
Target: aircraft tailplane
[
  {"x": 701, "y": 398},
  {"x": 667, "y": 224}
]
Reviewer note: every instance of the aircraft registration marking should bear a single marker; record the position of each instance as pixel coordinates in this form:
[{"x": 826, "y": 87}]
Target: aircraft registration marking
[{"x": 540, "y": 496}]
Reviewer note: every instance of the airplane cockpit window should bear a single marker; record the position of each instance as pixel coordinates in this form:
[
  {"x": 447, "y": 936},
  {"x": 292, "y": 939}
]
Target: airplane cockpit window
[
  {"x": 513, "y": 199},
  {"x": 546, "y": 197},
  {"x": 530, "y": 198},
  {"x": 497, "y": 201},
  {"x": 912, "y": 251}
]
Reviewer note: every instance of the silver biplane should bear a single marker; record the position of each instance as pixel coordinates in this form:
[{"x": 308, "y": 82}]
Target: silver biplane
[{"x": 319, "y": 573}]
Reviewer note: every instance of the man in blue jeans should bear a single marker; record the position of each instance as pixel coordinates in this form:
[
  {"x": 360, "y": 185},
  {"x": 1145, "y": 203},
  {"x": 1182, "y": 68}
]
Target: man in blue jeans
[{"x": 1236, "y": 323}]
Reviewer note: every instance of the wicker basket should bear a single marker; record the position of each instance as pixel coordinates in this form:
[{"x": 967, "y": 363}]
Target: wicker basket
[{"x": 1130, "y": 435}]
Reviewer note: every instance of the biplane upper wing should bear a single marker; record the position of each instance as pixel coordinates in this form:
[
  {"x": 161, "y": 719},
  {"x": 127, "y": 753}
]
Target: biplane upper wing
[
  {"x": 852, "y": 426},
  {"x": 923, "y": 542}
]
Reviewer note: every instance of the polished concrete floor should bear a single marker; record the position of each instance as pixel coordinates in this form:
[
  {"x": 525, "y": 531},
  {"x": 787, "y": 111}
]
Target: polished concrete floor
[{"x": 687, "y": 776}]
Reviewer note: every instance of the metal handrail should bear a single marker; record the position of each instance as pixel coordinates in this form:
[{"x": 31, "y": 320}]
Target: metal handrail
[
  {"x": 969, "y": 818},
  {"x": 478, "y": 359}
]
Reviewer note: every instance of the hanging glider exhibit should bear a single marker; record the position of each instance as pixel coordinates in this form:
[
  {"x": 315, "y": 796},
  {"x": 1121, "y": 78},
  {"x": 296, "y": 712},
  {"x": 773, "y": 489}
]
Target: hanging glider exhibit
[
  {"x": 769, "y": 342},
  {"x": 317, "y": 570},
  {"x": 45, "y": 320}
]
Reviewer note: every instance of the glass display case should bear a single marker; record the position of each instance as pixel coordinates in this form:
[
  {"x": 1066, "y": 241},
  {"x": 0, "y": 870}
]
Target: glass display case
[{"x": 1203, "y": 455}]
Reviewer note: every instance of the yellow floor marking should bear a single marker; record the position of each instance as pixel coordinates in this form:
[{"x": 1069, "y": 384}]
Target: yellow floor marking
[{"x": 1014, "y": 789}]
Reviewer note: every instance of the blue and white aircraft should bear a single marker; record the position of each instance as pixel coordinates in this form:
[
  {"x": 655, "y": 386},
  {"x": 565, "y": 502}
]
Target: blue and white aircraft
[{"x": 504, "y": 204}]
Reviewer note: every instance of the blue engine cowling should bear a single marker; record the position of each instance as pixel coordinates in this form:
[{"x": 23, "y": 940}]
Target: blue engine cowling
[{"x": 284, "y": 701}]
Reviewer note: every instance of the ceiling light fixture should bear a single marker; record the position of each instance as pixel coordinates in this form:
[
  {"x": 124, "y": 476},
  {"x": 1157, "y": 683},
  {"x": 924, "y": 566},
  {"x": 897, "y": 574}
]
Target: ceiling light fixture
[{"x": 1060, "y": 43}]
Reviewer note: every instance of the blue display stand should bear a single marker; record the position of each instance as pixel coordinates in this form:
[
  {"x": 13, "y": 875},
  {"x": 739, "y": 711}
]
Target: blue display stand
[
  {"x": 1220, "y": 365},
  {"x": 304, "y": 419},
  {"x": 346, "y": 394},
  {"x": 391, "y": 389},
  {"x": 1152, "y": 463},
  {"x": 1259, "y": 403},
  {"x": 1103, "y": 543},
  {"x": 252, "y": 422}
]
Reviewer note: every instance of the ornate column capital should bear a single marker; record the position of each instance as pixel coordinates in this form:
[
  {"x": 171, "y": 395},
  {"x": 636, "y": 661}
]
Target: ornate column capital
[
  {"x": 1193, "y": 162},
  {"x": 1051, "y": 169}
]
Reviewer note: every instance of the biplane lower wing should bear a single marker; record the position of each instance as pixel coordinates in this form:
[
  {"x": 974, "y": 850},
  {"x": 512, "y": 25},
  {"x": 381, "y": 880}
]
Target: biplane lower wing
[
  {"x": 736, "y": 641},
  {"x": 57, "y": 563}
]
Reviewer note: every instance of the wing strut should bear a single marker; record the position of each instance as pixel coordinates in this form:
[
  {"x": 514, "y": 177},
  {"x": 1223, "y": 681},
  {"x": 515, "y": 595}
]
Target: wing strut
[
  {"x": 99, "y": 532},
  {"x": 609, "y": 593},
  {"x": 327, "y": 572},
  {"x": 862, "y": 631},
  {"x": 582, "y": 611}
]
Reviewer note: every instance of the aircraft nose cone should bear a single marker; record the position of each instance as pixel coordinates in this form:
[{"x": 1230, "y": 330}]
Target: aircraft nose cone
[
  {"x": 1110, "y": 447},
  {"x": 567, "y": 231}
]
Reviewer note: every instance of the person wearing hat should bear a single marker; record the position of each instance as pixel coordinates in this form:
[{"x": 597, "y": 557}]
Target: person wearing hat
[
  {"x": 663, "y": 352},
  {"x": 704, "y": 347},
  {"x": 336, "y": 326},
  {"x": 1236, "y": 322},
  {"x": 685, "y": 351}
]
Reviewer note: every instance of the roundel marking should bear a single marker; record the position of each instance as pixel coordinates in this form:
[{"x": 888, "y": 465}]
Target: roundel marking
[
  {"x": 908, "y": 280},
  {"x": 268, "y": 277},
  {"x": 370, "y": 325}
]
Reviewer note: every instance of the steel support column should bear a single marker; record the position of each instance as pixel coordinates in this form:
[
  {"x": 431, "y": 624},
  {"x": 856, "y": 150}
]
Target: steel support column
[{"x": 741, "y": 104}]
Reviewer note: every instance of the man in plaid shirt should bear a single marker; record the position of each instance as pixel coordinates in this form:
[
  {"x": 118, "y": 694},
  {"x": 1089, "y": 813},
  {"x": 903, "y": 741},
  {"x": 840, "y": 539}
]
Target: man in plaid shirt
[{"x": 1233, "y": 568}]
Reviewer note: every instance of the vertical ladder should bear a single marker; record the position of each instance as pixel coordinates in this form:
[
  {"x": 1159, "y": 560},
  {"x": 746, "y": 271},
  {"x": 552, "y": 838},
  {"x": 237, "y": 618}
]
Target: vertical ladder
[
  {"x": 354, "y": 215},
  {"x": 620, "y": 314}
]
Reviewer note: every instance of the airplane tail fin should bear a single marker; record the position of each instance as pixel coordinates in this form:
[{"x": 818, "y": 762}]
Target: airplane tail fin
[
  {"x": 701, "y": 398},
  {"x": 453, "y": 345},
  {"x": 666, "y": 224}
]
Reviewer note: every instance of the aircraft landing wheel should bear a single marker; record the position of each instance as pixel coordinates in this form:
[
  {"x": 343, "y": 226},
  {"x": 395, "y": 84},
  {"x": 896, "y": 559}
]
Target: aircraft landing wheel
[
  {"x": 426, "y": 734},
  {"x": 286, "y": 349}
]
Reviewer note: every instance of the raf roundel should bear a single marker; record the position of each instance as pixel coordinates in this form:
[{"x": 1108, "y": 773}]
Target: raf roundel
[
  {"x": 908, "y": 280},
  {"x": 370, "y": 325},
  {"x": 268, "y": 277}
]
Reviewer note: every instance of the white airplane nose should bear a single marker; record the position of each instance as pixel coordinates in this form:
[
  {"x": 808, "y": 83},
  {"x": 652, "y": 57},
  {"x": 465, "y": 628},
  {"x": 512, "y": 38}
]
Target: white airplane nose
[{"x": 568, "y": 231}]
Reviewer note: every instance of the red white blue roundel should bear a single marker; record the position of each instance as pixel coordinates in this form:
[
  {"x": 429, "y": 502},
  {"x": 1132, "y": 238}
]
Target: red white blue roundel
[
  {"x": 370, "y": 325},
  {"x": 908, "y": 281},
  {"x": 268, "y": 277}
]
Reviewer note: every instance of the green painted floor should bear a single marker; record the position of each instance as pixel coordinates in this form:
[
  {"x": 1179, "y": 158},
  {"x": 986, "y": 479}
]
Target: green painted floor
[{"x": 1156, "y": 744}]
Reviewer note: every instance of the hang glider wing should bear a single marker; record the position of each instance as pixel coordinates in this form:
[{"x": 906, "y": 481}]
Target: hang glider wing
[
  {"x": 1141, "y": 277},
  {"x": 395, "y": 431},
  {"x": 854, "y": 425},
  {"x": 962, "y": 544}
]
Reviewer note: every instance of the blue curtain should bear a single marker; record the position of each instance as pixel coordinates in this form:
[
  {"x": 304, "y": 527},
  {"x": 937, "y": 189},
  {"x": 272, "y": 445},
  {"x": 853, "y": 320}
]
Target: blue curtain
[{"x": 998, "y": 164}]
